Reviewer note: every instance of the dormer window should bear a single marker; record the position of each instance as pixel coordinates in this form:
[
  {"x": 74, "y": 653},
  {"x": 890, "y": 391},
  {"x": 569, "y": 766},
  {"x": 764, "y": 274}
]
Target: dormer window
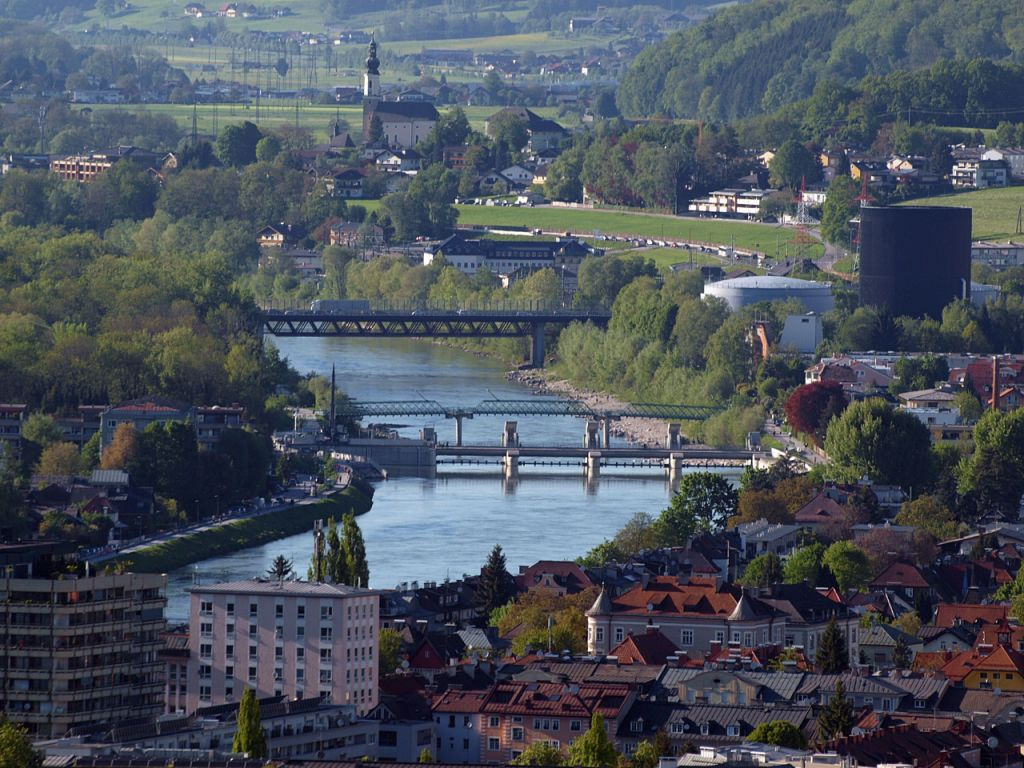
[{"x": 637, "y": 726}]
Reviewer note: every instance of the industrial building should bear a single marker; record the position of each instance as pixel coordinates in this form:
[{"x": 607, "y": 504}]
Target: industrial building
[
  {"x": 914, "y": 260},
  {"x": 742, "y": 291}
]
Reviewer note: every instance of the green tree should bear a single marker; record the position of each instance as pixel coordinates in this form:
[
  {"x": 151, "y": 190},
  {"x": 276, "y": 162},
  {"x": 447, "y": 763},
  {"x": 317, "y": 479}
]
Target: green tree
[
  {"x": 16, "y": 747},
  {"x": 804, "y": 564},
  {"x": 495, "y": 585},
  {"x": 889, "y": 446},
  {"x": 995, "y": 472},
  {"x": 703, "y": 504},
  {"x": 281, "y": 568},
  {"x": 356, "y": 566},
  {"x": 267, "y": 149},
  {"x": 763, "y": 571},
  {"x": 929, "y": 514},
  {"x": 236, "y": 144},
  {"x": 833, "y": 656},
  {"x": 969, "y": 406},
  {"x": 426, "y": 756},
  {"x": 390, "y": 648},
  {"x": 848, "y": 563},
  {"x": 781, "y": 733},
  {"x": 594, "y": 749},
  {"x": 539, "y": 753},
  {"x": 901, "y": 657},
  {"x": 793, "y": 164},
  {"x": 836, "y": 718},
  {"x": 646, "y": 755},
  {"x": 840, "y": 206},
  {"x": 251, "y": 737},
  {"x": 59, "y": 459},
  {"x": 563, "y": 179}
]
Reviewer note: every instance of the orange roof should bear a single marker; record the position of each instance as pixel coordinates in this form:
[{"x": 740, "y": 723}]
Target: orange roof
[
  {"x": 900, "y": 575},
  {"x": 664, "y": 594},
  {"x": 999, "y": 659},
  {"x": 946, "y": 614},
  {"x": 651, "y": 647},
  {"x": 459, "y": 701},
  {"x": 821, "y": 509},
  {"x": 931, "y": 661}
]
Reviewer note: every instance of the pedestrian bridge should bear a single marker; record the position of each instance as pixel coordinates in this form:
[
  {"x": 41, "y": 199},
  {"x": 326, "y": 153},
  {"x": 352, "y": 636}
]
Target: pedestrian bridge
[{"x": 429, "y": 323}]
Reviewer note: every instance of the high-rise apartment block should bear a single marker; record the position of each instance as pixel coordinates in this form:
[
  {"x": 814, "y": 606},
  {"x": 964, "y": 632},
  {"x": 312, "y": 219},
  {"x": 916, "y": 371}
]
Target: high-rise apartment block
[{"x": 293, "y": 638}]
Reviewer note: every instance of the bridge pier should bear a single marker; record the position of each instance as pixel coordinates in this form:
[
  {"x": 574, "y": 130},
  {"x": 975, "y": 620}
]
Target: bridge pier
[
  {"x": 510, "y": 436},
  {"x": 537, "y": 348},
  {"x": 590, "y": 437},
  {"x": 592, "y": 468},
  {"x": 511, "y": 464},
  {"x": 673, "y": 438},
  {"x": 675, "y": 469},
  {"x": 606, "y": 432},
  {"x": 459, "y": 416}
]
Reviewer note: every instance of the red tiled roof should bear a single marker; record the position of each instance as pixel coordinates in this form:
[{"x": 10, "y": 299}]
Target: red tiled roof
[
  {"x": 664, "y": 594},
  {"x": 651, "y": 647},
  {"x": 564, "y": 573},
  {"x": 900, "y": 575},
  {"x": 999, "y": 659},
  {"x": 931, "y": 661},
  {"x": 459, "y": 701},
  {"x": 556, "y": 699},
  {"x": 946, "y": 614},
  {"x": 820, "y": 509}
]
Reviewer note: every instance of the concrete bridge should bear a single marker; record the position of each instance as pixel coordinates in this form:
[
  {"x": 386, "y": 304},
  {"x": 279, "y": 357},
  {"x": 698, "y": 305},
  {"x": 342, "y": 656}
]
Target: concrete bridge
[{"x": 429, "y": 323}]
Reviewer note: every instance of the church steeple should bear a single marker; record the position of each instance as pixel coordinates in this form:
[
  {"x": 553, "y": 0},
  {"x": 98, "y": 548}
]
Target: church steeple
[{"x": 371, "y": 80}]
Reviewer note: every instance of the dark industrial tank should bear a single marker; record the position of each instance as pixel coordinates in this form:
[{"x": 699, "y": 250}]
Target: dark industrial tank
[{"x": 914, "y": 260}]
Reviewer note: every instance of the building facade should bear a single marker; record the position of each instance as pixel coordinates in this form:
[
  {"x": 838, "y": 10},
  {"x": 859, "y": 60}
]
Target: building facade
[{"x": 293, "y": 638}]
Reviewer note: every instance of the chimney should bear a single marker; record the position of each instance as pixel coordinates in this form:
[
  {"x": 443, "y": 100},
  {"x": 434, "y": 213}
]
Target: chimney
[{"x": 995, "y": 382}]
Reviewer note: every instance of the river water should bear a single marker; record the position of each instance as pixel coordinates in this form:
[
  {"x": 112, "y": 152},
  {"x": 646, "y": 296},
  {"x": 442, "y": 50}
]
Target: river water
[{"x": 423, "y": 529}]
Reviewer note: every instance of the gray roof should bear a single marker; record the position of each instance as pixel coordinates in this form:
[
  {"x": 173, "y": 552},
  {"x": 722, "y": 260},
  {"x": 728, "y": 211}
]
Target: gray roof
[
  {"x": 887, "y": 636},
  {"x": 876, "y": 686},
  {"x": 474, "y": 637},
  {"x": 109, "y": 477},
  {"x": 773, "y": 282},
  {"x": 291, "y": 588},
  {"x": 602, "y": 605}
]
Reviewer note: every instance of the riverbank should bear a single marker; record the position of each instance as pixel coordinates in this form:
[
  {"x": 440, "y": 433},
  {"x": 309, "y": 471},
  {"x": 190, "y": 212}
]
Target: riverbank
[
  {"x": 237, "y": 535},
  {"x": 640, "y": 431}
]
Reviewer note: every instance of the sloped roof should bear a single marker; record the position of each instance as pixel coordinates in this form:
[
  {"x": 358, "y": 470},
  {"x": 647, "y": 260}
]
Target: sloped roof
[
  {"x": 821, "y": 509},
  {"x": 900, "y": 574},
  {"x": 886, "y": 635},
  {"x": 947, "y": 614},
  {"x": 998, "y": 659},
  {"x": 405, "y": 110},
  {"x": 651, "y": 647}
]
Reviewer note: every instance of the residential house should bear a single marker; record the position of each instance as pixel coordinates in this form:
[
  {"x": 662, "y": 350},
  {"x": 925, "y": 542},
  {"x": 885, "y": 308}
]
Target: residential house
[
  {"x": 293, "y": 638},
  {"x": 1012, "y": 158},
  {"x": 503, "y": 257},
  {"x": 457, "y": 157},
  {"x": 458, "y": 721},
  {"x": 987, "y": 667},
  {"x": 933, "y": 398},
  {"x": 517, "y": 176},
  {"x": 347, "y": 183},
  {"x": 972, "y": 170},
  {"x": 140, "y": 413},
  {"x": 828, "y": 511},
  {"x": 85, "y": 168},
  {"x": 211, "y": 421},
  {"x": 808, "y": 614},
  {"x": 879, "y": 643},
  {"x": 907, "y": 579},
  {"x": 739, "y": 203},
  {"x": 761, "y": 537},
  {"x": 398, "y": 161},
  {"x": 79, "y": 429},
  {"x": 543, "y": 133},
  {"x": 854, "y": 374},
  {"x": 999, "y": 256},
  {"x": 405, "y": 727},
  {"x": 697, "y": 611},
  {"x": 945, "y": 639},
  {"x": 281, "y": 235},
  {"x": 12, "y": 417},
  {"x": 561, "y": 577},
  {"x": 650, "y": 648}
]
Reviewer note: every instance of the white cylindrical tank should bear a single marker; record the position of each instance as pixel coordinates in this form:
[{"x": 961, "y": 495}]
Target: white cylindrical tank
[{"x": 741, "y": 291}]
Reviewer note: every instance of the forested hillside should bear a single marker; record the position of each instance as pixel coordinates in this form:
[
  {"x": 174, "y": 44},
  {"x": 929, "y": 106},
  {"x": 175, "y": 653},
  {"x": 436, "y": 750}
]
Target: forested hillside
[{"x": 756, "y": 58}]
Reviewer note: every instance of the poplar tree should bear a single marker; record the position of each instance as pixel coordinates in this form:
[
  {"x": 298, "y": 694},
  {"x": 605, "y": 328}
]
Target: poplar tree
[
  {"x": 832, "y": 655},
  {"x": 250, "y": 738},
  {"x": 336, "y": 563},
  {"x": 356, "y": 567},
  {"x": 837, "y": 717},
  {"x": 594, "y": 749}
]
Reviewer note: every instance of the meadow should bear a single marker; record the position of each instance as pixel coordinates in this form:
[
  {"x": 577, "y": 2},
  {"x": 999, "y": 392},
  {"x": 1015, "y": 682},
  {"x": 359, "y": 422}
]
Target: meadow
[{"x": 995, "y": 211}]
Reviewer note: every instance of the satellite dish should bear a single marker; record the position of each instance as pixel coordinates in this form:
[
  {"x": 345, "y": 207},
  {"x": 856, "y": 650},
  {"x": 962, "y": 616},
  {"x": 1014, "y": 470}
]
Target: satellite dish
[{"x": 992, "y": 742}]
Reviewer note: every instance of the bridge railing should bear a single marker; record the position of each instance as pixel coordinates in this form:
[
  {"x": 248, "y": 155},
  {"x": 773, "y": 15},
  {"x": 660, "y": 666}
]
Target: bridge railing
[{"x": 444, "y": 307}]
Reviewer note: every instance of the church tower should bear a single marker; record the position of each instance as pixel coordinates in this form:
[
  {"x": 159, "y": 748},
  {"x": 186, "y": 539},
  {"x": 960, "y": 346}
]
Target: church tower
[{"x": 371, "y": 80}]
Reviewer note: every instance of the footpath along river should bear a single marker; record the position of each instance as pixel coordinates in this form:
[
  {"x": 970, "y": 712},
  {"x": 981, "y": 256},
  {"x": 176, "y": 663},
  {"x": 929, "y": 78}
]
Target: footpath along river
[{"x": 431, "y": 529}]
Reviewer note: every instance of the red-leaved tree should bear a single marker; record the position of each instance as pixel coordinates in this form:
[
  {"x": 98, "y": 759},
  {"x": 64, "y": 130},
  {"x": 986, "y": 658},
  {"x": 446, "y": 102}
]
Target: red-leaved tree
[{"x": 811, "y": 406}]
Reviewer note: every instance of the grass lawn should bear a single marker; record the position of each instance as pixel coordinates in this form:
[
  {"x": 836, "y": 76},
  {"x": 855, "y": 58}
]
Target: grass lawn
[
  {"x": 748, "y": 236},
  {"x": 995, "y": 210}
]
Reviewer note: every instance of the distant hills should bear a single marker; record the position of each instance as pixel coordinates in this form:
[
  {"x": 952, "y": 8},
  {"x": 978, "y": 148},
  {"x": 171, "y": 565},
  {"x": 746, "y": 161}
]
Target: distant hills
[{"x": 755, "y": 58}]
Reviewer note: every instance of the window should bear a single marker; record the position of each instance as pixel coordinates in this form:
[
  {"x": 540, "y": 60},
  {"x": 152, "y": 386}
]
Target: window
[
  {"x": 300, "y": 632},
  {"x": 493, "y": 721},
  {"x": 920, "y": 703},
  {"x": 206, "y": 608},
  {"x": 205, "y": 693},
  {"x": 325, "y": 675},
  {"x": 676, "y": 728},
  {"x": 229, "y": 629},
  {"x": 733, "y": 730},
  {"x": 229, "y": 671},
  {"x": 618, "y": 634},
  {"x": 279, "y": 653},
  {"x": 252, "y": 630},
  {"x": 326, "y": 633},
  {"x": 254, "y": 610},
  {"x": 748, "y": 639},
  {"x": 325, "y": 654},
  {"x": 703, "y": 729},
  {"x": 517, "y": 734},
  {"x": 300, "y": 612},
  {"x": 252, "y": 674},
  {"x": 252, "y": 651},
  {"x": 686, "y": 637},
  {"x": 279, "y": 611},
  {"x": 230, "y": 608},
  {"x": 300, "y": 654},
  {"x": 300, "y": 674},
  {"x": 278, "y": 673},
  {"x": 493, "y": 744},
  {"x": 576, "y": 725},
  {"x": 229, "y": 692},
  {"x": 206, "y": 629},
  {"x": 205, "y": 670},
  {"x": 600, "y": 634},
  {"x": 636, "y": 726},
  {"x": 206, "y": 650},
  {"x": 735, "y": 635},
  {"x": 326, "y": 611},
  {"x": 720, "y": 636}
]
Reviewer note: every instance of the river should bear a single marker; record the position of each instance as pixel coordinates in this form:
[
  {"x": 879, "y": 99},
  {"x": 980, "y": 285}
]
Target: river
[{"x": 432, "y": 529}]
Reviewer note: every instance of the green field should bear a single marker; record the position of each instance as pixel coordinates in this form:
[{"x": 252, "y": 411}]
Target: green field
[
  {"x": 766, "y": 238},
  {"x": 995, "y": 210}
]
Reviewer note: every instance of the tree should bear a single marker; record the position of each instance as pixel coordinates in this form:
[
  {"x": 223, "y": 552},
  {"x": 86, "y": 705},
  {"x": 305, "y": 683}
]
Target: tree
[
  {"x": 251, "y": 737},
  {"x": 236, "y": 144},
  {"x": 781, "y": 733},
  {"x": 59, "y": 459},
  {"x": 833, "y": 656},
  {"x": 836, "y": 718},
  {"x": 763, "y": 571},
  {"x": 804, "y": 564},
  {"x": 927, "y": 513},
  {"x": 889, "y": 446},
  {"x": 792, "y": 165},
  {"x": 810, "y": 408},
  {"x": 356, "y": 567},
  {"x": 840, "y": 206},
  {"x": 703, "y": 504},
  {"x": 390, "y": 648},
  {"x": 901, "y": 658},
  {"x": 16, "y": 747},
  {"x": 593, "y": 749},
  {"x": 995, "y": 473},
  {"x": 539, "y": 753},
  {"x": 426, "y": 756},
  {"x": 495, "y": 585},
  {"x": 124, "y": 449},
  {"x": 281, "y": 568},
  {"x": 268, "y": 148},
  {"x": 848, "y": 563},
  {"x": 646, "y": 755}
]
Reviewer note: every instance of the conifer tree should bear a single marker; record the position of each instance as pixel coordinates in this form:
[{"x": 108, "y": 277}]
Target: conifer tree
[
  {"x": 250, "y": 738},
  {"x": 594, "y": 749},
  {"x": 281, "y": 568},
  {"x": 356, "y": 567},
  {"x": 837, "y": 717},
  {"x": 495, "y": 585},
  {"x": 832, "y": 655},
  {"x": 901, "y": 654}
]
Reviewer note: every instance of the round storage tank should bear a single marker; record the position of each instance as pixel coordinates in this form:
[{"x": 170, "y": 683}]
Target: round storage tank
[
  {"x": 914, "y": 260},
  {"x": 741, "y": 291}
]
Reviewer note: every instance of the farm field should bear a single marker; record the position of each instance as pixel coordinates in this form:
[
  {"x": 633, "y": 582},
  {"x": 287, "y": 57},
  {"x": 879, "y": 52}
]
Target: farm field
[
  {"x": 995, "y": 210},
  {"x": 766, "y": 238}
]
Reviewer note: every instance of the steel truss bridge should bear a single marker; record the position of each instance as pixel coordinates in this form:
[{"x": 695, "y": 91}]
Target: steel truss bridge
[
  {"x": 417, "y": 323},
  {"x": 538, "y": 406}
]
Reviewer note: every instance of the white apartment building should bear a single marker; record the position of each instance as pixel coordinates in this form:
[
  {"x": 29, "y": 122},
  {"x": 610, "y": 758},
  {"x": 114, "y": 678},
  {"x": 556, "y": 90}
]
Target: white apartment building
[{"x": 292, "y": 638}]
